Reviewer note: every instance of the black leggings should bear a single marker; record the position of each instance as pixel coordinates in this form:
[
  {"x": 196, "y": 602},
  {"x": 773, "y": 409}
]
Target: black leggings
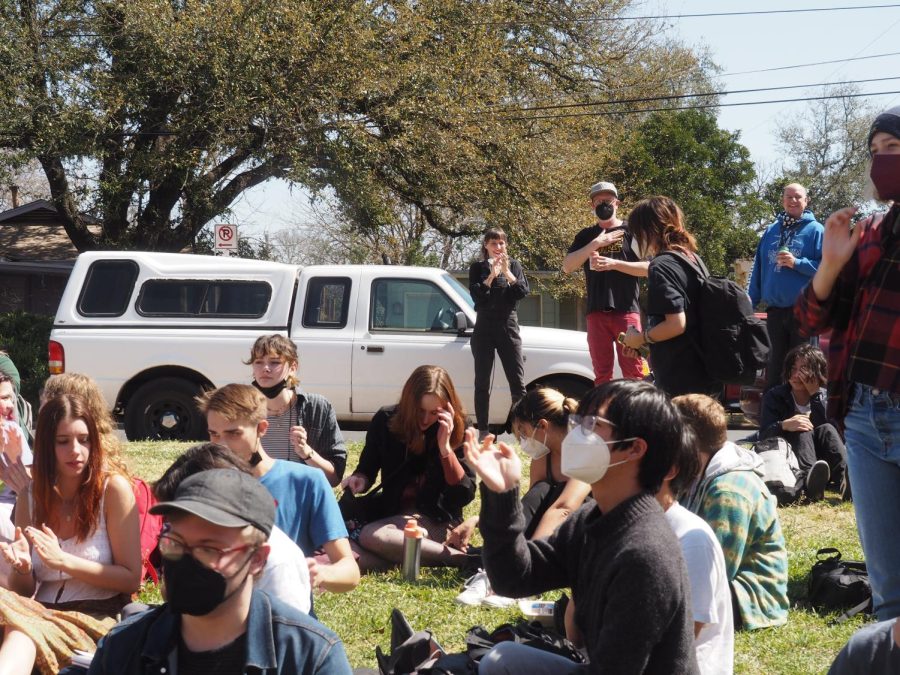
[{"x": 500, "y": 333}]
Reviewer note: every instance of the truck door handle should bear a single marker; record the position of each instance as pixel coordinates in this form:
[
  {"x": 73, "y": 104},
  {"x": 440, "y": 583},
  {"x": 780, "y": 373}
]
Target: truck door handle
[{"x": 375, "y": 349}]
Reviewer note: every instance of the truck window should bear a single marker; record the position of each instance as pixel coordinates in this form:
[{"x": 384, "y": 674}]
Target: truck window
[
  {"x": 107, "y": 288},
  {"x": 202, "y": 298},
  {"x": 327, "y": 302},
  {"x": 410, "y": 305}
]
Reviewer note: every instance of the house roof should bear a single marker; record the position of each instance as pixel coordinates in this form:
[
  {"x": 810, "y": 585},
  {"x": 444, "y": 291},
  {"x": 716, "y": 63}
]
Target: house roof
[{"x": 33, "y": 231}]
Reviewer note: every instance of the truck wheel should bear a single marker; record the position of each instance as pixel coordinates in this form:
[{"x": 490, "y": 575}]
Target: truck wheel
[{"x": 164, "y": 409}]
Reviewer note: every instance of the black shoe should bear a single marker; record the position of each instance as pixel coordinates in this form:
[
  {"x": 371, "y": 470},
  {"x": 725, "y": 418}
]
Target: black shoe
[
  {"x": 845, "y": 491},
  {"x": 816, "y": 480}
]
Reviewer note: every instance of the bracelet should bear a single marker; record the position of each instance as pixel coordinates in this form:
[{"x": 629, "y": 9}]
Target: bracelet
[{"x": 647, "y": 339}]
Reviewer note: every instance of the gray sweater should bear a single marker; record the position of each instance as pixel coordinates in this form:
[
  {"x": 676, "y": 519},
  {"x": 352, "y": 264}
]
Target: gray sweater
[{"x": 626, "y": 572}]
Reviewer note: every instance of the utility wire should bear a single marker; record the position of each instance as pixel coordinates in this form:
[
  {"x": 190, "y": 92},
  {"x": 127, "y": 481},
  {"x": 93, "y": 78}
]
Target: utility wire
[
  {"x": 807, "y": 65},
  {"x": 677, "y": 97},
  {"x": 601, "y": 113}
]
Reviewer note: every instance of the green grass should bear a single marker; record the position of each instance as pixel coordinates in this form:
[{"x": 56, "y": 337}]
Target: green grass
[{"x": 807, "y": 644}]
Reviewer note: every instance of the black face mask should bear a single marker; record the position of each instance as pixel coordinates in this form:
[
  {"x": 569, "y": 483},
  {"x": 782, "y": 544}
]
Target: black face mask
[
  {"x": 604, "y": 210},
  {"x": 192, "y": 588},
  {"x": 273, "y": 391}
]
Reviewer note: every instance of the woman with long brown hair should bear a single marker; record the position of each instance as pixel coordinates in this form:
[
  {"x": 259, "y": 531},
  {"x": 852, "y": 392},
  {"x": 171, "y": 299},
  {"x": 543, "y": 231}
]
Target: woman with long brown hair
[
  {"x": 416, "y": 445},
  {"x": 673, "y": 288},
  {"x": 77, "y": 544}
]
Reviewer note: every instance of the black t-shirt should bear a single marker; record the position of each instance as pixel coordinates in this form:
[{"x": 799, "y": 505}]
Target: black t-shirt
[
  {"x": 228, "y": 659},
  {"x": 673, "y": 287},
  {"x": 609, "y": 290}
]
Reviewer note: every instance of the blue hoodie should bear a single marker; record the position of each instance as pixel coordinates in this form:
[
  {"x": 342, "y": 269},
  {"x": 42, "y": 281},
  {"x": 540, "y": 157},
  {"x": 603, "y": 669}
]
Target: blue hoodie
[{"x": 780, "y": 287}]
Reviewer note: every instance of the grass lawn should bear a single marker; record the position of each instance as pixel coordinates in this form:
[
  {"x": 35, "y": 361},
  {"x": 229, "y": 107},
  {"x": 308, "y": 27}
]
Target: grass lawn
[{"x": 807, "y": 644}]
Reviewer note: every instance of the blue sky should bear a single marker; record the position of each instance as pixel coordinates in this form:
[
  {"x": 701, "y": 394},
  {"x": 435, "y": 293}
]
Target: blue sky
[{"x": 737, "y": 44}]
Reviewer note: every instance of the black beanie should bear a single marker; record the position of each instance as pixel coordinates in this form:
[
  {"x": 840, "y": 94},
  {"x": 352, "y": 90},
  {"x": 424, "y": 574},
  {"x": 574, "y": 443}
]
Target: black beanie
[{"x": 888, "y": 122}]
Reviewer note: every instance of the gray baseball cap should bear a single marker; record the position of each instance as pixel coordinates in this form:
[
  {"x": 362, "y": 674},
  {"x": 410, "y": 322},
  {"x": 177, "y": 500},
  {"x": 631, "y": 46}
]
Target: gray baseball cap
[
  {"x": 224, "y": 497},
  {"x": 603, "y": 186}
]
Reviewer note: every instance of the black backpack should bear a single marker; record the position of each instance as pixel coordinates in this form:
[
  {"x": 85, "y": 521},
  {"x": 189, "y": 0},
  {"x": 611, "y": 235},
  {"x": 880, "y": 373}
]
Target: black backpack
[
  {"x": 836, "y": 584},
  {"x": 732, "y": 342}
]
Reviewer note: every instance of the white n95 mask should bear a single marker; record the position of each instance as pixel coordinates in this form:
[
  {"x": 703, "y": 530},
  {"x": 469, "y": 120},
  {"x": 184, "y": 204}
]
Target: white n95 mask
[
  {"x": 533, "y": 447},
  {"x": 585, "y": 456}
]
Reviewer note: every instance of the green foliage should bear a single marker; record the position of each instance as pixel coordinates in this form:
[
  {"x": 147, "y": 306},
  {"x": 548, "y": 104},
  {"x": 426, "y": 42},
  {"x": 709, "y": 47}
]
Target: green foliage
[
  {"x": 807, "y": 644},
  {"x": 686, "y": 156},
  {"x": 25, "y": 336},
  {"x": 154, "y": 116}
]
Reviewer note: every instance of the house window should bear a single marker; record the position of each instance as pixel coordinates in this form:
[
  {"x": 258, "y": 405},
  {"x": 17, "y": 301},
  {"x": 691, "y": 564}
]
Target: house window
[
  {"x": 107, "y": 288},
  {"x": 327, "y": 302},
  {"x": 202, "y": 298}
]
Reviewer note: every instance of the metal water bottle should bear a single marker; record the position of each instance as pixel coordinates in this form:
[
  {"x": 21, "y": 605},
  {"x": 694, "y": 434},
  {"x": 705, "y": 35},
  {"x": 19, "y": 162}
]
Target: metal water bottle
[{"x": 412, "y": 549}]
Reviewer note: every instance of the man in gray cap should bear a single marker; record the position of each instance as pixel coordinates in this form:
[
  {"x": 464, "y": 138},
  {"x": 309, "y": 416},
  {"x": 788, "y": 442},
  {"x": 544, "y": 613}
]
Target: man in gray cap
[
  {"x": 611, "y": 281},
  {"x": 212, "y": 546}
]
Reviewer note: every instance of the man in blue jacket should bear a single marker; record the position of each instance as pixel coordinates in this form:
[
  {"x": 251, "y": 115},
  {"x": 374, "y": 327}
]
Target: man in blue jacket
[{"x": 787, "y": 257}]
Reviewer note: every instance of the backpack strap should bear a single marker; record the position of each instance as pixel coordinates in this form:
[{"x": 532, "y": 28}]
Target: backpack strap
[
  {"x": 699, "y": 267},
  {"x": 853, "y": 611}
]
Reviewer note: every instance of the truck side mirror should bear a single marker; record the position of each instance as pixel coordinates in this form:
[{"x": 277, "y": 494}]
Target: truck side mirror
[{"x": 462, "y": 322}]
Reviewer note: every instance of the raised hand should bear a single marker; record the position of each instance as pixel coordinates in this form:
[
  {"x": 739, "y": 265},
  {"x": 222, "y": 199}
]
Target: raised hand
[
  {"x": 840, "y": 241},
  {"x": 17, "y": 553},
  {"x": 445, "y": 428},
  {"x": 14, "y": 474},
  {"x": 498, "y": 466}
]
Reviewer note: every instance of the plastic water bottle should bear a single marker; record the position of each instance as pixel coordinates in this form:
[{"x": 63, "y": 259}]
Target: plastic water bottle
[
  {"x": 412, "y": 549},
  {"x": 783, "y": 249}
]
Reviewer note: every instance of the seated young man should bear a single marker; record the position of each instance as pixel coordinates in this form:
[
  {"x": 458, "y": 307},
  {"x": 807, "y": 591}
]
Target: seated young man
[
  {"x": 619, "y": 555},
  {"x": 306, "y": 508},
  {"x": 213, "y": 620},
  {"x": 286, "y": 574},
  {"x": 730, "y": 495},
  {"x": 795, "y": 411},
  {"x": 710, "y": 590}
]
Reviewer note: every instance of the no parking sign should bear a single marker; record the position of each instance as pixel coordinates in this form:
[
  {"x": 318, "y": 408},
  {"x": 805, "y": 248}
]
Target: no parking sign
[{"x": 226, "y": 239}]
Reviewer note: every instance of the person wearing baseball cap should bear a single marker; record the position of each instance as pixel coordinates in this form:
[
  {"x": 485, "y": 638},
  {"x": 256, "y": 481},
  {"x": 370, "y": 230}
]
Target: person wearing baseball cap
[
  {"x": 611, "y": 282},
  {"x": 855, "y": 294},
  {"x": 213, "y": 544}
]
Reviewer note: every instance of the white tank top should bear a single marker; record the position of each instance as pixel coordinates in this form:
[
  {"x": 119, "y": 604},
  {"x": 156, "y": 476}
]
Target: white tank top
[{"x": 55, "y": 586}]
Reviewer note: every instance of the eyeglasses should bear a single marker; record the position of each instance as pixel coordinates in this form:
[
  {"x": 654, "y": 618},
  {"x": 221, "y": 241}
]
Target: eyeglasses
[
  {"x": 174, "y": 549},
  {"x": 587, "y": 422}
]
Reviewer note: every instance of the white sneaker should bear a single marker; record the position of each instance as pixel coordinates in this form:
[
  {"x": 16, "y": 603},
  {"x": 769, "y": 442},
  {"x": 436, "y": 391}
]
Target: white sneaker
[
  {"x": 497, "y": 601},
  {"x": 475, "y": 589}
]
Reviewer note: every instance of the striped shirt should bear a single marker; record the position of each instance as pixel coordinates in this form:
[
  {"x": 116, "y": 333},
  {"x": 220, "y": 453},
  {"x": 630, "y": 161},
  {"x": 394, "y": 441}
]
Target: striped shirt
[{"x": 315, "y": 414}]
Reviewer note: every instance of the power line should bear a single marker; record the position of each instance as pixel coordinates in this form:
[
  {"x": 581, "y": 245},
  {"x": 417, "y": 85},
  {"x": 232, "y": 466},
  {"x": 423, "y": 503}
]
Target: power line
[
  {"x": 677, "y": 97},
  {"x": 602, "y": 113},
  {"x": 700, "y": 15},
  {"x": 807, "y": 65}
]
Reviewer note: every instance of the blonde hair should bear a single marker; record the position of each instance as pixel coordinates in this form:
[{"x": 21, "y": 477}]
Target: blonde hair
[
  {"x": 276, "y": 345},
  {"x": 544, "y": 403},
  {"x": 234, "y": 402}
]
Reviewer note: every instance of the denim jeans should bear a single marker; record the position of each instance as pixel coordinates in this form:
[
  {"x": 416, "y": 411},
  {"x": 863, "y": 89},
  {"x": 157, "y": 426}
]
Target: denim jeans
[
  {"x": 872, "y": 432},
  {"x": 511, "y": 658}
]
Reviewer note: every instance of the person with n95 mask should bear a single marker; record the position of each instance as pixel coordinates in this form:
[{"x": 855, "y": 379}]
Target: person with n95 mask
[{"x": 617, "y": 553}]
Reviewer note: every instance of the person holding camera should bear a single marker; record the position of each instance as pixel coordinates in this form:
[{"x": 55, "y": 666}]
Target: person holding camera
[
  {"x": 611, "y": 272},
  {"x": 497, "y": 283}
]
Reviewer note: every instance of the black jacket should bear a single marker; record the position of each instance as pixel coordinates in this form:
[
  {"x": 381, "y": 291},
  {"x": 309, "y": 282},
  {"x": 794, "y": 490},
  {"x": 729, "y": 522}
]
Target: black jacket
[
  {"x": 388, "y": 454},
  {"x": 778, "y": 405},
  {"x": 500, "y": 297}
]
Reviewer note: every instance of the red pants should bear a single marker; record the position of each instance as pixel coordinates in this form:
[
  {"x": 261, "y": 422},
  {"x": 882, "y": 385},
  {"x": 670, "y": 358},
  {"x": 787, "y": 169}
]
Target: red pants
[{"x": 602, "y": 330}]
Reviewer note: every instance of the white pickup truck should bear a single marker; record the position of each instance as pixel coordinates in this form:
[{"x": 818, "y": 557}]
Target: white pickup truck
[{"x": 154, "y": 329}]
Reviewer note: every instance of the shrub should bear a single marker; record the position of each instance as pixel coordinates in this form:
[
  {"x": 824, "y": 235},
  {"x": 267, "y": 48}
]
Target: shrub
[{"x": 24, "y": 337}]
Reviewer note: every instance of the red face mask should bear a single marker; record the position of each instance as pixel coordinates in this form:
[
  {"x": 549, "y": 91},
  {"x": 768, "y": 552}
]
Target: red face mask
[{"x": 885, "y": 174}]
